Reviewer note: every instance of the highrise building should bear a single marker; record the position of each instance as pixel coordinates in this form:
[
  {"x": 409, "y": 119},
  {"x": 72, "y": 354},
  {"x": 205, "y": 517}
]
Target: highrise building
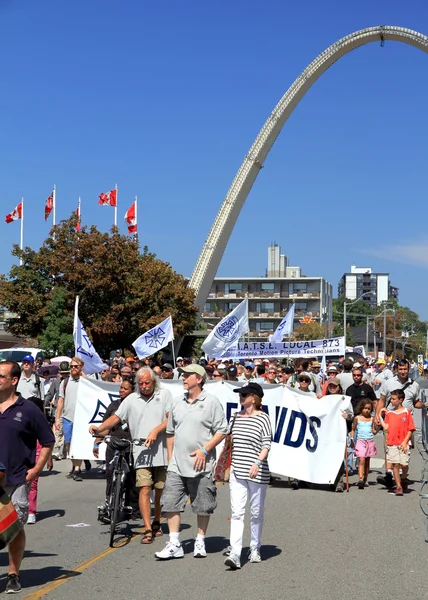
[{"x": 361, "y": 280}]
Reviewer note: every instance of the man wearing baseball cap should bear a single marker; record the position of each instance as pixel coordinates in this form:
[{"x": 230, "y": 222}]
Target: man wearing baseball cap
[
  {"x": 196, "y": 425},
  {"x": 383, "y": 374},
  {"x": 30, "y": 384}
]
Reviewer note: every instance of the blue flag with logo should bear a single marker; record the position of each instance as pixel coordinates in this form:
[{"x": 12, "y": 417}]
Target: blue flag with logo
[
  {"x": 153, "y": 340},
  {"x": 83, "y": 346},
  {"x": 228, "y": 331},
  {"x": 285, "y": 327}
]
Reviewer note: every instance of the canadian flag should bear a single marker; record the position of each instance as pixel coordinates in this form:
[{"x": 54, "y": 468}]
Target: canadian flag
[
  {"x": 109, "y": 199},
  {"x": 49, "y": 206},
  {"x": 131, "y": 218},
  {"x": 15, "y": 214}
]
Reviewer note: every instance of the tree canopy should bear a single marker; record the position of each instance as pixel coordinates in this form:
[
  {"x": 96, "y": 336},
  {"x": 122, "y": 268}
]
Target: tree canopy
[{"x": 122, "y": 292}]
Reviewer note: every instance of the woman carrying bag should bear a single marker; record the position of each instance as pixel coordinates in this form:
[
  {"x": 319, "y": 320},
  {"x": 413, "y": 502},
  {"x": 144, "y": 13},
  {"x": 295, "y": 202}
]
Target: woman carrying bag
[{"x": 251, "y": 440}]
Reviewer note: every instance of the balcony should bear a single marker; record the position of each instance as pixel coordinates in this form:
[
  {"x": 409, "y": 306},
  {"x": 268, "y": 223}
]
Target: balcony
[{"x": 307, "y": 295}]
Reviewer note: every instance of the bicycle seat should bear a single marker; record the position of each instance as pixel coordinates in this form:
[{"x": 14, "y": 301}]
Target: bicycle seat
[{"x": 116, "y": 443}]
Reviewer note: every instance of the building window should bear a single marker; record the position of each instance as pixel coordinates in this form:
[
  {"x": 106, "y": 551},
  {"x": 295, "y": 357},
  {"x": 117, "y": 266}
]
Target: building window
[
  {"x": 264, "y": 326},
  {"x": 232, "y": 288},
  {"x": 296, "y": 287},
  {"x": 231, "y": 305},
  {"x": 267, "y": 287},
  {"x": 301, "y": 306},
  {"x": 265, "y": 307}
]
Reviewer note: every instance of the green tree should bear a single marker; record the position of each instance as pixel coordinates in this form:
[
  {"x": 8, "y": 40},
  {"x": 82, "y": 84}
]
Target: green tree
[
  {"x": 309, "y": 331},
  {"x": 355, "y": 315},
  {"x": 57, "y": 337},
  {"x": 122, "y": 292}
]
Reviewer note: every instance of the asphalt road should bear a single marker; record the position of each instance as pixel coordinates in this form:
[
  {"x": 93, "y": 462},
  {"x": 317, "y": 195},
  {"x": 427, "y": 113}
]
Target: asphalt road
[{"x": 317, "y": 544}]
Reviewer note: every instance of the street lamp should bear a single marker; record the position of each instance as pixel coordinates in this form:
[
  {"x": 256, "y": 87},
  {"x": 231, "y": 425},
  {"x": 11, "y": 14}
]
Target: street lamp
[{"x": 344, "y": 314}]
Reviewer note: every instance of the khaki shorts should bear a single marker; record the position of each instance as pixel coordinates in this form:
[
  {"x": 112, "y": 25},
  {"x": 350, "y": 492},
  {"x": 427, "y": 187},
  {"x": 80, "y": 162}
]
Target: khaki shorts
[
  {"x": 396, "y": 456},
  {"x": 151, "y": 477}
]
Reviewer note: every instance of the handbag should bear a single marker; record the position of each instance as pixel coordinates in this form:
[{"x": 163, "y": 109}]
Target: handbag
[
  {"x": 9, "y": 520},
  {"x": 221, "y": 471}
]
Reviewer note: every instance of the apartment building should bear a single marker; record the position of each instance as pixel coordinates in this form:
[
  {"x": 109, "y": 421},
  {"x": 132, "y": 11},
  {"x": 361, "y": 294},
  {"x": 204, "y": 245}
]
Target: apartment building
[
  {"x": 374, "y": 288},
  {"x": 270, "y": 297}
]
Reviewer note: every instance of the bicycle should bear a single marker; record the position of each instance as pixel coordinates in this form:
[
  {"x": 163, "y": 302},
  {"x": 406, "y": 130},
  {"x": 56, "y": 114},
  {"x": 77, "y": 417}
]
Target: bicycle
[{"x": 115, "y": 502}]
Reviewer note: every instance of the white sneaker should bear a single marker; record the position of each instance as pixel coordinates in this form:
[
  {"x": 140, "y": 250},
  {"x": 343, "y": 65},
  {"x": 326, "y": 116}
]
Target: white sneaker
[
  {"x": 31, "y": 519},
  {"x": 254, "y": 555},
  {"x": 233, "y": 561},
  {"x": 199, "y": 551},
  {"x": 171, "y": 550}
]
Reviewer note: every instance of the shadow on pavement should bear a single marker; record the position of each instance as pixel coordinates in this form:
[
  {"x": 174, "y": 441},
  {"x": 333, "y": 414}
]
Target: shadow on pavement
[
  {"x": 37, "y": 577},
  {"x": 47, "y": 514},
  {"x": 213, "y": 544},
  {"x": 4, "y": 556},
  {"x": 267, "y": 551}
]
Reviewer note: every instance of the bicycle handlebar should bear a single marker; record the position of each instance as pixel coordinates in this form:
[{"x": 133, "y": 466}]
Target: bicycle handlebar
[{"x": 108, "y": 436}]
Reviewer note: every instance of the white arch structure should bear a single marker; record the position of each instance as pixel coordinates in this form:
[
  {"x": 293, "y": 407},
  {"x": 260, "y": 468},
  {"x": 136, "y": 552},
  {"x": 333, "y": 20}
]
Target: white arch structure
[{"x": 215, "y": 244}]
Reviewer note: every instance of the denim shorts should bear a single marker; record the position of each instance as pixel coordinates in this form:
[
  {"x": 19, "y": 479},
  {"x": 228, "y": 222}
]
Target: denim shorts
[
  {"x": 201, "y": 490},
  {"x": 67, "y": 429}
]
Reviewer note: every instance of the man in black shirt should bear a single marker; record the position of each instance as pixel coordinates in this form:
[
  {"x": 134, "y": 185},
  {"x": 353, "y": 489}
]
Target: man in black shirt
[{"x": 359, "y": 390}]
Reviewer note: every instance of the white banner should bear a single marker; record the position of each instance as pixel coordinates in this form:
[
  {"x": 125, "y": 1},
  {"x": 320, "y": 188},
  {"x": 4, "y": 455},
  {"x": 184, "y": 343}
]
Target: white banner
[
  {"x": 309, "y": 434},
  {"x": 330, "y": 346}
]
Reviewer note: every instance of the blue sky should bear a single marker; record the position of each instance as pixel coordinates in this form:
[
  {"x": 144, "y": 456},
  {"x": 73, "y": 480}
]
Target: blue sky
[{"x": 165, "y": 99}]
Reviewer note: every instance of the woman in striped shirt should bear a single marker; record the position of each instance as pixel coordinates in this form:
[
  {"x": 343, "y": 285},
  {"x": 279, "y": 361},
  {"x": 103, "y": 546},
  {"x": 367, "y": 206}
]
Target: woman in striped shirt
[{"x": 251, "y": 440}]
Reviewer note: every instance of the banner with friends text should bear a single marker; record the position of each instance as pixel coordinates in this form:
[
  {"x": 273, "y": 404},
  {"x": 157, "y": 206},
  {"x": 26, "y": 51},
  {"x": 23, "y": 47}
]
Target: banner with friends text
[{"x": 308, "y": 433}]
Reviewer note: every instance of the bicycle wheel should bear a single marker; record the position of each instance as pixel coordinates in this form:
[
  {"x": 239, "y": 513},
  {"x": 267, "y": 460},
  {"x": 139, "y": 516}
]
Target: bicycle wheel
[{"x": 114, "y": 504}]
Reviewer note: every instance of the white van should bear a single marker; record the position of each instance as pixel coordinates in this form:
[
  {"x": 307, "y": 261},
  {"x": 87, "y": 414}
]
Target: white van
[{"x": 17, "y": 354}]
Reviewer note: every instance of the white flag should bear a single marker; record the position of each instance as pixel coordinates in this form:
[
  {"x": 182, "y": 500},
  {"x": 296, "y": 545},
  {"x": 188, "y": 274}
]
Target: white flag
[
  {"x": 360, "y": 350},
  {"x": 228, "y": 331},
  {"x": 153, "y": 340},
  {"x": 285, "y": 327},
  {"x": 83, "y": 346}
]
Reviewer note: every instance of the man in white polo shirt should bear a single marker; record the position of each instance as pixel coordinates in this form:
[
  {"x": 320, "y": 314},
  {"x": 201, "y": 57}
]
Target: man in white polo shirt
[
  {"x": 196, "y": 424},
  {"x": 146, "y": 413}
]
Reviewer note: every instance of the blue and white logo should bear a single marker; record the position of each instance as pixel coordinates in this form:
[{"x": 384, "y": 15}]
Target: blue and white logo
[
  {"x": 228, "y": 331},
  {"x": 155, "y": 338}
]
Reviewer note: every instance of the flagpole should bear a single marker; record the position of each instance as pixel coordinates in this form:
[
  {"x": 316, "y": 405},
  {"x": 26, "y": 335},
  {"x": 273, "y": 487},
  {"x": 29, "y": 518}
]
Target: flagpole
[
  {"x": 78, "y": 212},
  {"x": 54, "y": 206},
  {"x": 115, "y": 208},
  {"x": 136, "y": 218},
  {"x": 76, "y": 316},
  {"x": 22, "y": 229},
  {"x": 173, "y": 353}
]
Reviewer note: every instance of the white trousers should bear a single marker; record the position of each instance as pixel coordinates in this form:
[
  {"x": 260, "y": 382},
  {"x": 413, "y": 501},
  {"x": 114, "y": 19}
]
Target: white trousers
[{"x": 240, "y": 489}]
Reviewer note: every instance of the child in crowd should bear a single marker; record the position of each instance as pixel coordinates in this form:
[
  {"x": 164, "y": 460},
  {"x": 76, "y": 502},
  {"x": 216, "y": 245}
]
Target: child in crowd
[
  {"x": 365, "y": 447},
  {"x": 399, "y": 425}
]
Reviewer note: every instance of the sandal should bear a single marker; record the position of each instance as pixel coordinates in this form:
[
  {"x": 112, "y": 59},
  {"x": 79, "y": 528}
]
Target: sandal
[
  {"x": 147, "y": 537},
  {"x": 157, "y": 529}
]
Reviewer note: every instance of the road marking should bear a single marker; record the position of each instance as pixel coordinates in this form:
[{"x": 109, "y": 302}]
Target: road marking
[{"x": 49, "y": 587}]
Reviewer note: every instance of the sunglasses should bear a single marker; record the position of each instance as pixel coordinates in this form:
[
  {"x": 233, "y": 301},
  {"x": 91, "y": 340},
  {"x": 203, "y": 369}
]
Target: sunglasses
[{"x": 305, "y": 380}]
